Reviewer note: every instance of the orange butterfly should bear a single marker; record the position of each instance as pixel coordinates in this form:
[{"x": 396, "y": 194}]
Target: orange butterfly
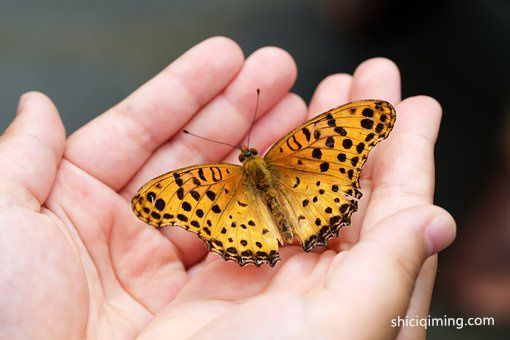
[{"x": 305, "y": 187}]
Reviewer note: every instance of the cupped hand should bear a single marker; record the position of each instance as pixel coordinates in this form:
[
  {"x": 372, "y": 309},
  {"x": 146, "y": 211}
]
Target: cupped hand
[{"x": 76, "y": 263}]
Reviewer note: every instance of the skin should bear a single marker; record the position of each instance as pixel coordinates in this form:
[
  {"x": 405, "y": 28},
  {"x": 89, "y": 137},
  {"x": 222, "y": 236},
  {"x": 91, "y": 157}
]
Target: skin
[{"x": 76, "y": 263}]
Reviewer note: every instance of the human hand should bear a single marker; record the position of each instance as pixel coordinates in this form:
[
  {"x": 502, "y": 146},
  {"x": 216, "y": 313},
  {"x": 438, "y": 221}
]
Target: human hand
[{"x": 77, "y": 263}]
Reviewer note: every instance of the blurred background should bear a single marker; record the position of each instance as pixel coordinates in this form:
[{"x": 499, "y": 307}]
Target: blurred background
[{"x": 88, "y": 55}]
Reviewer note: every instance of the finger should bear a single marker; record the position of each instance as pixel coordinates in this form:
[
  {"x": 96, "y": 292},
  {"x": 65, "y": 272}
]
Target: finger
[
  {"x": 116, "y": 144},
  {"x": 403, "y": 168},
  {"x": 227, "y": 118},
  {"x": 387, "y": 259},
  {"x": 377, "y": 78},
  {"x": 30, "y": 151},
  {"x": 331, "y": 92},
  {"x": 420, "y": 299},
  {"x": 288, "y": 113},
  {"x": 285, "y": 116},
  {"x": 407, "y": 180}
]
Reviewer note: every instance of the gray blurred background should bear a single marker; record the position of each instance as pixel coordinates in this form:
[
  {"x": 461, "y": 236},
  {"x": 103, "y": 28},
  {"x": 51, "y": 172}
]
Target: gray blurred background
[{"x": 89, "y": 55}]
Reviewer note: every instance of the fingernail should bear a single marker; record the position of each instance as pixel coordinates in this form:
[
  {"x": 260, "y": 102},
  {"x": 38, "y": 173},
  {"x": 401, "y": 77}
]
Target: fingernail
[{"x": 439, "y": 234}]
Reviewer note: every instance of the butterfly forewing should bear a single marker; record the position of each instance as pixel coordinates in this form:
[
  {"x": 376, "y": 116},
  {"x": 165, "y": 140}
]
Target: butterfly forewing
[
  {"x": 213, "y": 202},
  {"x": 317, "y": 165}
]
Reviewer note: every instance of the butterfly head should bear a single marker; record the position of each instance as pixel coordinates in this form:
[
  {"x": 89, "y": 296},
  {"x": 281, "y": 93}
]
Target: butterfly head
[{"x": 247, "y": 153}]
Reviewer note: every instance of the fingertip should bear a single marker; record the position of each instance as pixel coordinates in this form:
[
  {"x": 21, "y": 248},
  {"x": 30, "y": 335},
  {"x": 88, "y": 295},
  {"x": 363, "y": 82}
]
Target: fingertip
[
  {"x": 221, "y": 40},
  {"x": 440, "y": 232},
  {"x": 203, "y": 71},
  {"x": 34, "y": 100},
  {"x": 413, "y": 234},
  {"x": 376, "y": 78},
  {"x": 420, "y": 115},
  {"x": 378, "y": 65},
  {"x": 33, "y": 145},
  {"x": 41, "y": 113},
  {"x": 291, "y": 108},
  {"x": 270, "y": 69},
  {"x": 331, "y": 92},
  {"x": 224, "y": 44},
  {"x": 335, "y": 80},
  {"x": 294, "y": 100},
  {"x": 276, "y": 55},
  {"x": 426, "y": 104}
]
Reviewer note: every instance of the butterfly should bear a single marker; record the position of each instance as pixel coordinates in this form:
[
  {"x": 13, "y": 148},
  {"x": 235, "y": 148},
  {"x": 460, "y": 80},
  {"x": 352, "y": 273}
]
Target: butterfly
[{"x": 306, "y": 187}]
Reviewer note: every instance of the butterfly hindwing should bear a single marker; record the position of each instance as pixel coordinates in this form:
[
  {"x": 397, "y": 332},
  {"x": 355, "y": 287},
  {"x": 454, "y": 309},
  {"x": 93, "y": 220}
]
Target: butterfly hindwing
[
  {"x": 321, "y": 206},
  {"x": 213, "y": 202},
  {"x": 318, "y": 165}
]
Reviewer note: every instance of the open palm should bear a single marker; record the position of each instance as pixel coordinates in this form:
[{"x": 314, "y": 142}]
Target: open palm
[{"x": 75, "y": 262}]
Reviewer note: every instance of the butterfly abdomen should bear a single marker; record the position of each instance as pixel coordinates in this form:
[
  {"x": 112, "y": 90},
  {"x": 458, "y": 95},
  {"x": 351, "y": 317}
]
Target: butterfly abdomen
[
  {"x": 276, "y": 210},
  {"x": 262, "y": 180}
]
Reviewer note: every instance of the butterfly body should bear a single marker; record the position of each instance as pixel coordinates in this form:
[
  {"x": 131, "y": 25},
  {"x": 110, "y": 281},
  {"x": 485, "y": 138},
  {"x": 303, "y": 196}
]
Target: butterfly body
[
  {"x": 260, "y": 179},
  {"x": 305, "y": 188}
]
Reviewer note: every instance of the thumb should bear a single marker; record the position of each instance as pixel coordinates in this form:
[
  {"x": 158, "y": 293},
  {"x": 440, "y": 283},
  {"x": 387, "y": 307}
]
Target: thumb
[
  {"x": 380, "y": 272},
  {"x": 30, "y": 151}
]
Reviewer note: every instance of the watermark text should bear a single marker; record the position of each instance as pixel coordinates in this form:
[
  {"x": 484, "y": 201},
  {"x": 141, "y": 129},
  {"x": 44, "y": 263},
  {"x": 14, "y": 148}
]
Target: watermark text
[{"x": 445, "y": 321}]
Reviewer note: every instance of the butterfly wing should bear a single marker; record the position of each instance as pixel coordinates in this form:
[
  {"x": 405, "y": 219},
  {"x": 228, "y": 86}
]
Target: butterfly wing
[
  {"x": 214, "y": 202},
  {"x": 317, "y": 166}
]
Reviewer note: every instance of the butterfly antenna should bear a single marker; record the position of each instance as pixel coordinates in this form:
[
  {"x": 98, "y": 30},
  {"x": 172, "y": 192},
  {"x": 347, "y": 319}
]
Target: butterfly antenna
[
  {"x": 254, "y": 116},
  {"x": 211, "y": 140}
]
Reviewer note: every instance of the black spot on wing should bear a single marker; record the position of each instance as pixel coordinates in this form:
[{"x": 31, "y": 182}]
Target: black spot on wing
[
  {"x": 379, "y": 127},
  {"x": 367, "y": 123},
  {"x": 317, "y": 153},
  {"x": 369, "y": 137},
  {"x": 216, "y": 173},
  {"x": 292, "y": 143},
  {"x": 151, "y": 196},
  {"x": 368, "y": 112},
  {"x": 160, "y": 204},
  {"x": 211, "y": 195},
  {"x": 201, "y": 174},
  {"x": 330, "y": 142},
  {"x": 195, "y": 195},
  {"x": 296, "y": 183},
  {"x": 341, "y": 131},
  {"x": 307, "y": 133},
  {"x": 316, "y": 134},
  {"x": 360, "y": 147},
  {"x": 180, "y": 193},
  {"x": 186, "y": 206},
  {"x": 324, "y": 166}
]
